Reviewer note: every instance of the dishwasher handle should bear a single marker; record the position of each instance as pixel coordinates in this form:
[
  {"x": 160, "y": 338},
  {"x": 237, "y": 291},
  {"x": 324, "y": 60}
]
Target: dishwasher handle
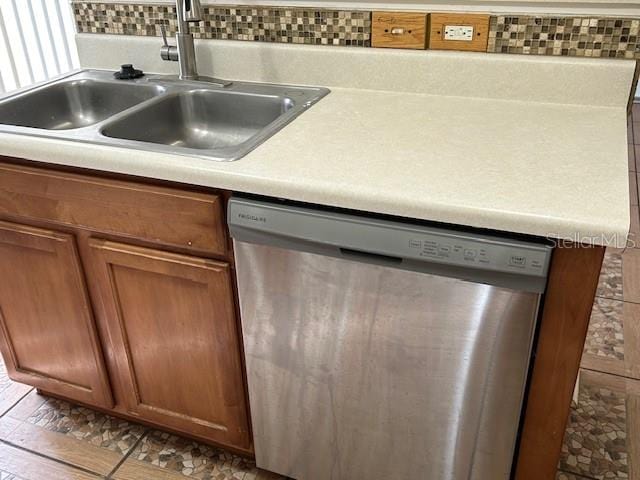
[
  {"x": 489, "y": 259},
  {"x": 368, "y": 257}
]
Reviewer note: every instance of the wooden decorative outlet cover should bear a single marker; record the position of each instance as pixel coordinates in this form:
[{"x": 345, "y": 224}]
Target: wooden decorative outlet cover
[
  {"x": 440, "y": 24},
  {"x": 399, "y": 30}
]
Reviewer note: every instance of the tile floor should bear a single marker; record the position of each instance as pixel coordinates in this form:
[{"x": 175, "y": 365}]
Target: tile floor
[{"x": 44, "y": 438}]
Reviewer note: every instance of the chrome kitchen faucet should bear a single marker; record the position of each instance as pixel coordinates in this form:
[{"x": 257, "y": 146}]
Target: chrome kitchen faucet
[{"x": 184, "y": 52}]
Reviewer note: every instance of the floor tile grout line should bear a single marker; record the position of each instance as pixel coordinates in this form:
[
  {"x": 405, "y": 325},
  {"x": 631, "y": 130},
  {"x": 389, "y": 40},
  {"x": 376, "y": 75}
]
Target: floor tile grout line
[
  {"x": 16, "y": 403},
  {"x": 578, "y": 474},
  {"x": 604, "y": 297},
  {"x": 603, "y": 371},
  {"x": 626, "y": 377},
  {"x": 57, "y": 460},
  {"x": 128, "y": 454},
  {"x": 599, "y": 370}
]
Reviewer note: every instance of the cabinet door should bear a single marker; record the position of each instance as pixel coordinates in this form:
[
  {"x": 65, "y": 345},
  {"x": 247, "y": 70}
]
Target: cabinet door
[
  {"x": 174, "y": 337},
  {"x": 47, "y": 332}
]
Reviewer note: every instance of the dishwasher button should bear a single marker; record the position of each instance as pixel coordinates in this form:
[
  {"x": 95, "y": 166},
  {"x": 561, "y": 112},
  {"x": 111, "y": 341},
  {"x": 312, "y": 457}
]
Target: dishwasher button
[
  {"x": 469, "y": 254},
  {"x": 517, "y": 261},
  {"x": 415, "y": 243}
]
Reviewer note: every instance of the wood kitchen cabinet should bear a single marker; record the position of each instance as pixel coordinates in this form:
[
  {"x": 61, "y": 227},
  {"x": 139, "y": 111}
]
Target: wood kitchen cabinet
[
  {"x": 172, "y": 327},
  {"x": 47, "y": 332},
  {"x": 119, "y": 295}
]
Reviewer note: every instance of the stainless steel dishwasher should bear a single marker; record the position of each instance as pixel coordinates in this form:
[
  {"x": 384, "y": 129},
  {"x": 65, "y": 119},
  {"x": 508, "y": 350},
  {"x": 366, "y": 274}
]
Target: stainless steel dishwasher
[{"x": 380, "y": 349}]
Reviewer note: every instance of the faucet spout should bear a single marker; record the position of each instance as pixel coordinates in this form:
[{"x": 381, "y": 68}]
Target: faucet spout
[
  {"x": 192, "y": 11},
  {"x": 189, "y": 11}
]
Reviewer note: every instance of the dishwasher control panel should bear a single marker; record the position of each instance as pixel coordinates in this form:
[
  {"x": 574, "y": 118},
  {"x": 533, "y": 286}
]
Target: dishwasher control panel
[
  {"x": 491, "y": 254},
  {"x": 341, "y": 234}
]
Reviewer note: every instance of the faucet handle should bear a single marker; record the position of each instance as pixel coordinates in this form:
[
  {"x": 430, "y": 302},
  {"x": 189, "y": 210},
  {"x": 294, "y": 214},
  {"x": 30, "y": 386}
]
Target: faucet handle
[
  {"x": 163, "y": 30},
  {"x": 167, "y": 52}
]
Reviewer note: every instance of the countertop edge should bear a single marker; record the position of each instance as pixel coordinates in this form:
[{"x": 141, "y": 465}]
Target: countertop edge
[{"x": 174, "y": 169}]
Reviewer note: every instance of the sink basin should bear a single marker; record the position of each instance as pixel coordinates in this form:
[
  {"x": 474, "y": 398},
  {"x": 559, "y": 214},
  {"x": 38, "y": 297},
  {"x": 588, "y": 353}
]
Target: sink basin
[
  {"x": 201, "y": 119},
  {"x": 156, "y": 113},
  {"x": 73, "y": 104}
]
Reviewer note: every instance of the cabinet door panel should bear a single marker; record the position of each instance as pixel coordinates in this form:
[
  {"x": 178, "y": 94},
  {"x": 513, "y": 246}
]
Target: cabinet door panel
[
  {"x": 173, "y": 331},
  {"x": 47, "y": 332}
]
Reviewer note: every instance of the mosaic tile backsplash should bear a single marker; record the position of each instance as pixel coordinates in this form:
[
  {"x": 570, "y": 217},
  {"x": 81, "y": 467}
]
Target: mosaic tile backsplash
[
  {"x": 573, "y": 36},
  {"x": 608, "y": 37},
  {"x": 265, "y": 24}
]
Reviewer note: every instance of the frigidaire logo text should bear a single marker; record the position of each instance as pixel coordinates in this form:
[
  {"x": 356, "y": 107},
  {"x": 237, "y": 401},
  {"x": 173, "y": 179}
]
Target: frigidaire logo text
[{"x": 253, "y": 218}]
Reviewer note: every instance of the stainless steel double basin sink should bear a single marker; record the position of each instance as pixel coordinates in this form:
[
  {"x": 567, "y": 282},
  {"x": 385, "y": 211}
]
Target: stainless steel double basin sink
[{"x": 156, "y": 113}]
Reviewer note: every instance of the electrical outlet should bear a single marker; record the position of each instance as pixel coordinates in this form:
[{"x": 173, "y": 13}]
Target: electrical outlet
[{"x": 458, "y": 32}]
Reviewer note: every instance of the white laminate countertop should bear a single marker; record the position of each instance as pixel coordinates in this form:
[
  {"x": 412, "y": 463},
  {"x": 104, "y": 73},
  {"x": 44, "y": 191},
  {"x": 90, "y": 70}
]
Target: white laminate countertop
[
  {"x": 517, "y": 143},
  {"x": 533, "y": 168}
]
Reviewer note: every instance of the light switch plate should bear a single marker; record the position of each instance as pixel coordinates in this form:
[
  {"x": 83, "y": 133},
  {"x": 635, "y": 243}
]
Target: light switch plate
[
  {"x": 399, "y": 30},
  {"x": 458, "y": 31}
]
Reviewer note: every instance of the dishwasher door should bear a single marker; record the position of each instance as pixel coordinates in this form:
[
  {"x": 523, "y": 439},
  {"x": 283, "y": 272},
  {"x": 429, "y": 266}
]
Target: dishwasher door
[{"x": 359, "y": 370}]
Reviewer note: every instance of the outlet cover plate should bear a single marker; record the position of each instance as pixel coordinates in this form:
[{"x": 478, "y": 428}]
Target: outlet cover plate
[
  {"x": 458, "y": 32},
  {"x": 450, "y": 31}
]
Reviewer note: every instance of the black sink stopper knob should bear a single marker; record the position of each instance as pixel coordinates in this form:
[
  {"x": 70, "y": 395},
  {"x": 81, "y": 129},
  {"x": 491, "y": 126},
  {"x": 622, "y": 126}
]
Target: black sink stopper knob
[{"x": 127, "y": 72}]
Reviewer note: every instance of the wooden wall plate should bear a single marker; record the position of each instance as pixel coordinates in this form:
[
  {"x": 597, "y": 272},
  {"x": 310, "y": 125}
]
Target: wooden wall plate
[
  {"x": 439, "y": 21},
  {"x": 399, "y": 30}
]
